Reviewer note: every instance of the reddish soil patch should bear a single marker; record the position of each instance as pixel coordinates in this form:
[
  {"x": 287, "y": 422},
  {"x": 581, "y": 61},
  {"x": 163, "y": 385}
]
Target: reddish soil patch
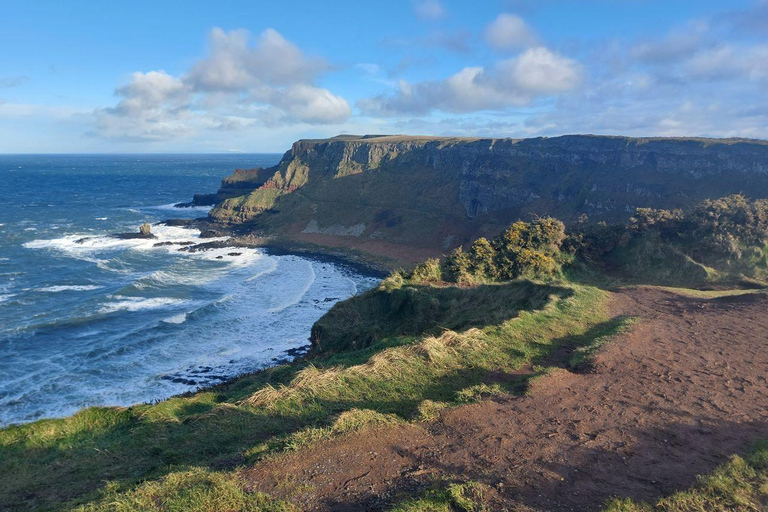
[
  {"x": 399, "y": 254},
  {"x": 669, "y": 400}
]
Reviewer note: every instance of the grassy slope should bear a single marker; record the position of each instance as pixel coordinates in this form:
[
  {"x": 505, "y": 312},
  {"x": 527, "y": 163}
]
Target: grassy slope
[{"x": 191, "y": 446}]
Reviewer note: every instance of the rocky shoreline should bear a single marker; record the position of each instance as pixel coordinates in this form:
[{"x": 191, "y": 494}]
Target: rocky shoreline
[{"x": 237, "y": 237}]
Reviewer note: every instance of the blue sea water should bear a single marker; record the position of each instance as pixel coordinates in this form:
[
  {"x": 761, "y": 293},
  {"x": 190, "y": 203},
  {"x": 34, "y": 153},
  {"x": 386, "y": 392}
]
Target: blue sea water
[{"x": 86, "y": 319}]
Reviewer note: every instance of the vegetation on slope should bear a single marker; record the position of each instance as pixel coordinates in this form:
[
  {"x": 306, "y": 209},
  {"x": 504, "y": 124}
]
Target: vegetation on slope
[
  {"x": 721, "y": 240},
  {"x": 406, "y": 361},
  {"x": 423, "y": 340}
]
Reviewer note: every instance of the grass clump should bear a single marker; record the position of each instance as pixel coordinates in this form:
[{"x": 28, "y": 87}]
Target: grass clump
[
  {"x": 741, "y": 485},
  {"x": 479, "y": 392},
  {"x": 347, "y": 422},
  {"x": 429, "y": 410},
  {"x": 466, "y": 497},
  {"x": 195, "y": 490}
]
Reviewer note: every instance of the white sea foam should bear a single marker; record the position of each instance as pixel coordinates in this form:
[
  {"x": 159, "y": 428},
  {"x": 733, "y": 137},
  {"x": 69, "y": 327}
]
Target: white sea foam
[
  {"x": 167, "y": 277},
  {"x": 176, "y": 319},
  {"x": 272, "y": 267},
  {"x": 300, "y": 293},
  {"x": 6, "y": 297},
  {"x": 67, "y": 288},
  {"x": 235, "y": 256},
  {"x": 140, "y": 303},
  {"x": 173, "y": 208},
  {"x": 86, "y": 242}
]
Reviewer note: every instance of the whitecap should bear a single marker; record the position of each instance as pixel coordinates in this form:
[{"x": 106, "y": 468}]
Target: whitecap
[
  {"x": 140, "y": 304},
  {"x": 85, "y": 243},
  {"x": 172, "y": 207},
  {"x": 6, "y": 297},
  {"x": 176, "y": 319},
  {"x": 66, "y": 288}
]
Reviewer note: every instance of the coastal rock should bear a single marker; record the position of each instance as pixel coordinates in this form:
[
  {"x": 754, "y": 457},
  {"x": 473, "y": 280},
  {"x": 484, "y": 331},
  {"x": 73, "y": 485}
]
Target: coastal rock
[{"x": 145, "y": 232}]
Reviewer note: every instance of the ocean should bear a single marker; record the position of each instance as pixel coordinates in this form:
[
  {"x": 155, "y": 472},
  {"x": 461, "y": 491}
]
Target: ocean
[{"x": 86, "y": 319}]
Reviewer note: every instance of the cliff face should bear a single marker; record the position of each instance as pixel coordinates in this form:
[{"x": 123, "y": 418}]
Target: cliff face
[{"x": 437, "y": 193}]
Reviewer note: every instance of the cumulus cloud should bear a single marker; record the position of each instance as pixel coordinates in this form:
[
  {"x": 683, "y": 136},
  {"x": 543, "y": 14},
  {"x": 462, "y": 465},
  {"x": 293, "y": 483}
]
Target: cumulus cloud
[
  {"x": 233, "y": 65},
  {"x": 510, "y": 32},
  {"x": 237, "y": 84},
  {"x": 518, "y": 81},
  {"x": 429, "y": 9}
]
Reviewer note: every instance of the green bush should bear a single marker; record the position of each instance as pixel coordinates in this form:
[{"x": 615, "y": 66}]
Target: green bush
[
  {"x": 717, "y": 239},
  {"x": 529, "y": 249},
  {"x": 428, "y": 272}
]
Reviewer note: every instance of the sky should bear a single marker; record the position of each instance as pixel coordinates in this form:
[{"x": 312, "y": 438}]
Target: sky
[{"x": 253, "y": 76}]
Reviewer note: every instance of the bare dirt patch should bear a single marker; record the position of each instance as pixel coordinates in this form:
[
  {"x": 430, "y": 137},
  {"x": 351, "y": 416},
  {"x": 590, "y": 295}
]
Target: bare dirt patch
[{"x": 672, "y": 398}]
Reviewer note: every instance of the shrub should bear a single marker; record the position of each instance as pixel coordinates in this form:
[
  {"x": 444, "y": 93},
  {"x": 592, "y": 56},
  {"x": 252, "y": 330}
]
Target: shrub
[
  {"x": 725, "y": 237},
  {"x": 457, "y": 266},
  {"x": 482, "y": 258},
  {"x": 529, "y": 248},
  {"x": 429, "y": 271}
]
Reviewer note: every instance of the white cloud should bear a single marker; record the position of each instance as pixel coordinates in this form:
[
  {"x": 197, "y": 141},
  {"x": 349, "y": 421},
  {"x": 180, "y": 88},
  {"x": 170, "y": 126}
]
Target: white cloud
[
  {"x": 429, "y": 9},
  {"x": 151, "y": 91},
  {"x": 539, "y": 71},
  {"x": 236, "y": 85},
  {"x": 730, "y": 62},
  {"x": 510, "y": 32},
  {"x": 518, "y": 81},
  {"x": 233, "y": 65}
]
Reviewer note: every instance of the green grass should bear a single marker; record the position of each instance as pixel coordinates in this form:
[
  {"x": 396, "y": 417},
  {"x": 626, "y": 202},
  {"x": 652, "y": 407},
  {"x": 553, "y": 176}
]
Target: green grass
[
  {"x": 418, "y": 309},
  {"x": 466, "y": 497},
  {"x": 58, "y": 464},
  {"x": 195, "y": 490},
  {"x": 741, "y": 485}
]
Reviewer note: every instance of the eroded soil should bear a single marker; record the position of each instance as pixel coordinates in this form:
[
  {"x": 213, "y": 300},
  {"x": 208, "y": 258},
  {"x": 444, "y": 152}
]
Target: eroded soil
[{"x": 672, "y": 398}]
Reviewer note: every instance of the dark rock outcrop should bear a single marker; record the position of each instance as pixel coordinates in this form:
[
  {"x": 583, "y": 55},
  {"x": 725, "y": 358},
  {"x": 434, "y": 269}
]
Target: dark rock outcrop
[{"x": 145, "y": 232}]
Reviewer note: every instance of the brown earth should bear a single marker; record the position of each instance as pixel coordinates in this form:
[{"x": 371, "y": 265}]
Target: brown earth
[{"x": 672, "y": 398}]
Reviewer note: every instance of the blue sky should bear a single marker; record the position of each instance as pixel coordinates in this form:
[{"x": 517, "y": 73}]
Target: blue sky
[{"x": 173, "y": 76}]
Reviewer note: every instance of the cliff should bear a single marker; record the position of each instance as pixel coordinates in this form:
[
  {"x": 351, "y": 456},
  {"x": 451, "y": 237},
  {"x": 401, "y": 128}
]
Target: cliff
[{"x": 378, "y": 192}]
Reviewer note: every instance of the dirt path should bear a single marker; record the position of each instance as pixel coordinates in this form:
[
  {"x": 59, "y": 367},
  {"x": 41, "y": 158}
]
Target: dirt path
[{"x": 669, "y": 400}]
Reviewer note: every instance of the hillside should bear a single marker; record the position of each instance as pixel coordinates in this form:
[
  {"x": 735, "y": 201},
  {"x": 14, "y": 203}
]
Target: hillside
[
  {"x": 514, "y": 375},
  {"x": 381, "y": 193}
]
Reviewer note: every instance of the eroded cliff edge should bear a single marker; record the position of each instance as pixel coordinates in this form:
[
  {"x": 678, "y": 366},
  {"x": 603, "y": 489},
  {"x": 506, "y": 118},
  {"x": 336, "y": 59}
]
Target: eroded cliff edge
[{"x": 378, "y": 193}]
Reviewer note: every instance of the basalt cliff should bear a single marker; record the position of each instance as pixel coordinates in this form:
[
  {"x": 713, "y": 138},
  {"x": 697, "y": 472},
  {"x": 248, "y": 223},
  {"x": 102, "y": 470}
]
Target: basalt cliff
[{"x": 380, "y": 193}]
